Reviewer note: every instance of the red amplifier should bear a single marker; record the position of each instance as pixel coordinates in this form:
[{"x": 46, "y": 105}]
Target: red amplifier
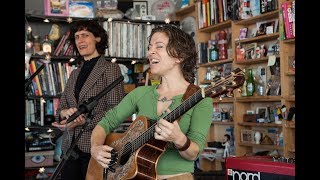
[{"x": 259, "y": 168}]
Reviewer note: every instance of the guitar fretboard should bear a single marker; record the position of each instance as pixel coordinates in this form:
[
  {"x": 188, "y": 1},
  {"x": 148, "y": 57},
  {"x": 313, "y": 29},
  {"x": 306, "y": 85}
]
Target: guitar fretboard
[{"x": 173, "y": 115}]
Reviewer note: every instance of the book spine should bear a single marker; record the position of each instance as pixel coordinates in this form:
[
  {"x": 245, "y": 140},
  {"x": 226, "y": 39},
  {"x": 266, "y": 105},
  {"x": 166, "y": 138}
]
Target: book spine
[
  {"x": 220, "y": 11},
  {"x": 281, "y": 26},
  {"x": 287, "y": 18},
  {"x": 33, "y": 66}
]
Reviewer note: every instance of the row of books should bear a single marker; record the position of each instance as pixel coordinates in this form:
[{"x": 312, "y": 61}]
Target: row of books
[
  {"x": 128, "y": 40},
  {"x": 211, "y": 12},
  {"x": 251, "y": 8},
  {"x": 36, "y": 111},
  {"x": 287, "y": 22},
  {"x": 64, "y": 47},
  {"x": 52, "y": 78}
]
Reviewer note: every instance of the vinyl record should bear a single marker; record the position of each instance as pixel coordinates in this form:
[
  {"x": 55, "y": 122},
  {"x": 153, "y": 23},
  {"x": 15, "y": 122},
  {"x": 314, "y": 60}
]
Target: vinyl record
[{"x": 188, "y": 25}]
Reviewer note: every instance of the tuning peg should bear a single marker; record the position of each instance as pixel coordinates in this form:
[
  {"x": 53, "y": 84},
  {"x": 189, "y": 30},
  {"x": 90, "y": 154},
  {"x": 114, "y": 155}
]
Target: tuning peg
[
  {"x": 223, "y": 87},
  {"x": 234, "y": 83},
  {"x": 213, "y": 83},
  {"x": 223, "y": 78},
  {"x": 213, "y": 92}
]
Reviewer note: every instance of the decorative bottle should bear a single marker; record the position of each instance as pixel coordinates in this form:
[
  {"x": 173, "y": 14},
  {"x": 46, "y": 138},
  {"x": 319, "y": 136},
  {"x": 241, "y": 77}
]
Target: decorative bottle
[
  {"x": 223, "y": 54},
  {"x": 36, "y": 44},
  {"x": 214, "y": 54},
  {"x": 46, "y": 45},
  {"x": 29, "y": 40},
  {"x": 250, "y": 84},
  {"x": 244, "y": 86},
  {"x": 208, "y": 74}
]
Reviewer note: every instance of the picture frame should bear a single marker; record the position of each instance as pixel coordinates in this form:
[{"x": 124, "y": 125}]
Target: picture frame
[
  {"x": 267, "y": 27},
  {"x": 246, "y": 136},
  {"x": 216, "y": 116},
  {"x": 262, "y": 112},
  {"x": 243, "y": 33},
  {"x": 250, "y": 51},
  {"x": 141, "y": 8}
]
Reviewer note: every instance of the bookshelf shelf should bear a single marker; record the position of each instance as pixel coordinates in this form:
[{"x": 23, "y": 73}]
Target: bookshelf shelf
[
  {"x": 218, "y": 62},
  {"x": 265, "y": 16},
  {"x": 108, "y": 58},
  {"x": 290, "y": 41},
  {"x": 215, "y": 27},
  {"x": 254, "y": 61},
  {"x": 267, "y": 37},
  {"x": 259, "y": 124},
  {"x": 185, "y": 10},
  {"x": 229, "y": 123},
  {"x": 56, "y": 19},
  {"x": 258, "y": 99},
  {"x": 261, "y": 146}
]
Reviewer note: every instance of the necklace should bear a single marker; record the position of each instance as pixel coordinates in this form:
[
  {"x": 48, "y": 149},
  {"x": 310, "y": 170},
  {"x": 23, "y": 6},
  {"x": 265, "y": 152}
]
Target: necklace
[{"x": 164, "y": 99}]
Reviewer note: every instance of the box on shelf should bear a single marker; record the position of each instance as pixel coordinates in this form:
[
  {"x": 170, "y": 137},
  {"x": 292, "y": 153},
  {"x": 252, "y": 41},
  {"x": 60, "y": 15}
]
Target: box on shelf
[
  {"x": 81, "y": 9},
  {"x": 39, "y": 158},
  {"x": 250, "y": 117},
  {"x": 56, "y": 8}
]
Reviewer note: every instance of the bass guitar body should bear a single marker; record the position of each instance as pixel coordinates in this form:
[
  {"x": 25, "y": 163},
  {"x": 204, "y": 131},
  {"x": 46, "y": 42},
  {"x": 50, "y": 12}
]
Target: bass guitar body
[{"x": 132, "y": 163}]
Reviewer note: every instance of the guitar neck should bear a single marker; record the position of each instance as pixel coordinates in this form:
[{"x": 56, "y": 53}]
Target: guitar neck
[
  {"x": 184, "y": 107},
  {"x": 173, "y": 115},
  {"x": 219, "y": 86}
]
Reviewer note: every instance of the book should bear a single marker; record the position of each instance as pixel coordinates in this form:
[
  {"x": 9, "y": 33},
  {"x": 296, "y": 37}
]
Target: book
[{"x": 288, "y": 18}]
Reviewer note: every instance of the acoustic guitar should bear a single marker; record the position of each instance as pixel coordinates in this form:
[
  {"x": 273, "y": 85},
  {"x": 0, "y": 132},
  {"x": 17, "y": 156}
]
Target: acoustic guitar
[{"x": 138, "y": 150}]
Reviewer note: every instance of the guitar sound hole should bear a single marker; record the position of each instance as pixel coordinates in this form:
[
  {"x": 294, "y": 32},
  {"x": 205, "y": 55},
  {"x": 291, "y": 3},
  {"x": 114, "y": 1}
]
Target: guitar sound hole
[{"x": 126, "y": 153}]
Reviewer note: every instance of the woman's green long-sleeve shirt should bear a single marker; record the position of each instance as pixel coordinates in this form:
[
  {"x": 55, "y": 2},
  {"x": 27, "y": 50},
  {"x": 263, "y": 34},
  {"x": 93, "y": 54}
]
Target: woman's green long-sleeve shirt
[{"x": 195, "y": 123}]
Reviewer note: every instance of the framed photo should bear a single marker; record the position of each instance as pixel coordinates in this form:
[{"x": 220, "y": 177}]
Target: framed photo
[
  {"x": 262, "y": 112},
  {"x": 216, "y": 116},
  {"x": 246, "y": 136},
  {"x": 243, "y": 33},
  {"x": 141, "y": 8},
  {"x": 250, "y": 51},
  {"x": 267, "y": 27}
]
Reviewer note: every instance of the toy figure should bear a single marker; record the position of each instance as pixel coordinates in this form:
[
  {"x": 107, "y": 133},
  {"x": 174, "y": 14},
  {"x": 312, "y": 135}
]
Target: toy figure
[{"x": 226, "y": 144}]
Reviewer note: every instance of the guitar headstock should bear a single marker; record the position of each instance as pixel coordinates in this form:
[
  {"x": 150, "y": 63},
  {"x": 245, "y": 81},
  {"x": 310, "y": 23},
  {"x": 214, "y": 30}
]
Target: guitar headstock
[{"x": 225, "y": 84}]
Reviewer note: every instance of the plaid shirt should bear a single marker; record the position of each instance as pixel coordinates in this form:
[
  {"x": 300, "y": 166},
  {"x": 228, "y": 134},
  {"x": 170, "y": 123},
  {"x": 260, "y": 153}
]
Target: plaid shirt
[{"x": 102, "y": 75}]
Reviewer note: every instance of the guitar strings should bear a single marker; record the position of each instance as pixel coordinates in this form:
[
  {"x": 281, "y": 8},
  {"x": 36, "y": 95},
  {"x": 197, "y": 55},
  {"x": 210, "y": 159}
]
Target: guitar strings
[{"x": 150, "y": 130}]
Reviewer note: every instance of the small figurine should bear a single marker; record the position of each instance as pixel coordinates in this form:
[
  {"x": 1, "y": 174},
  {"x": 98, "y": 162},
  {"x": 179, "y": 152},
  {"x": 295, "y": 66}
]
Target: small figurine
[{"x": 226, "y": 144}]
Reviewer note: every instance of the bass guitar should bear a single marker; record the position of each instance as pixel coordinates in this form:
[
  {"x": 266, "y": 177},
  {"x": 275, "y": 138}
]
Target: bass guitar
[{"x": 138, "y": 150}]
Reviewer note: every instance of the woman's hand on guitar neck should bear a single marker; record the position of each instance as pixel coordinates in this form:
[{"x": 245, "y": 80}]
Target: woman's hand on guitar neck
[
  {"x": 167, "y": 131},
  {"x": 104, "y": 155}
]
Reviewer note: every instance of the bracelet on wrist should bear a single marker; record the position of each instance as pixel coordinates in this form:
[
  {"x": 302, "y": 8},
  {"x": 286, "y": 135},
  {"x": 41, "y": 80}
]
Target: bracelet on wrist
[{"x": 185, "y": 146}]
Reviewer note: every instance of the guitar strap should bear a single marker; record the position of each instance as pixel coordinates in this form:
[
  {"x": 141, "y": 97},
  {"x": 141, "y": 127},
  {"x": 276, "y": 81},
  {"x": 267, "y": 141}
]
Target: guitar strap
[{"x": 189, "y": 92}]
